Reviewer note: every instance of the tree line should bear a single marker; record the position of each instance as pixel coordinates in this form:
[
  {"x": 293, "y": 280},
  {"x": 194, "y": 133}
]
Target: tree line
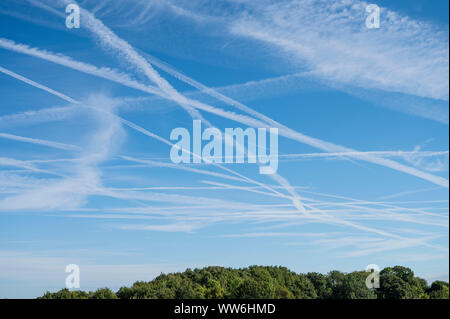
[{"x": 269, "y": 282}]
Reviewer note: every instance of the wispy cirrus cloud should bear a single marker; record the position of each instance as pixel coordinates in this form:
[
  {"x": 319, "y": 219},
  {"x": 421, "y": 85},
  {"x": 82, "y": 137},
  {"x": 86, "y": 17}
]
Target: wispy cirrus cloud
[
  {"x": 404, "y": 55},
  {"x": 61, "y": 146}
]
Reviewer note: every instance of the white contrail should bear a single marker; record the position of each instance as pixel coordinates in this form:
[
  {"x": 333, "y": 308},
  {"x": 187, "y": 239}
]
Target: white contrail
[
  {"x": 132, "y": 125},
  {"x": 111, "y": 39},
  {"x": 379, "y": 153},
  {"x": 105, "y": 73},
  {"x": 39, "y": 86},
  {"x": 57, "y": 145},
  {"x": 250, "y": 189},
  {"x": 407, "y": 193}
]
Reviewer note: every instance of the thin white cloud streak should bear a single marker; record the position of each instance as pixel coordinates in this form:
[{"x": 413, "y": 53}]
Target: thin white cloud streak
[
  {"x": 176, "y": 227},
  {"x": 271, "y": 215},
  {"x": 102, "y": 31},
  {"x": 37, "y": 85},
  {"x": 326, "y": 218},
  {"x": 323, "y": 145},
  {"x": 367, "y": 82},
  {"x": 439, "y": 165},
  {"x": 330, "y": 40},
  {"x": 426, "y": 108},
  {"x": 394, "y": 245},
  {"x": 25, "y": 165},
  {"x": 150, "y": 163},
  {"x": 104, "y": 73},
  {"x": 9, "y": 8},
  {"x": 252, "y": 190},
  {"x": 133, "y": 126},
  {"x": 156, "y": 197},
  {"x": 275, "y": 234},
  {"x": 436, "y": 110},
  {"x": 341, "y": 155},
  {"x": 71, "y": 191},
  {"x": 284, "y": 131},
  {"x": 51, "y": 144},
  {"x": 150, "y": 134}
]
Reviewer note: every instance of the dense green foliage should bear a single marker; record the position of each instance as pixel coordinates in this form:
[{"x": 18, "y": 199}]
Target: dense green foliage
[{"x": 270, "y": 282}]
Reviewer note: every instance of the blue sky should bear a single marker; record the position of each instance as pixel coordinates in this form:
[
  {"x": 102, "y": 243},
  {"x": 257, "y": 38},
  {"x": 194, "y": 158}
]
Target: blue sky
[{"x": 86, "y": 177}]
